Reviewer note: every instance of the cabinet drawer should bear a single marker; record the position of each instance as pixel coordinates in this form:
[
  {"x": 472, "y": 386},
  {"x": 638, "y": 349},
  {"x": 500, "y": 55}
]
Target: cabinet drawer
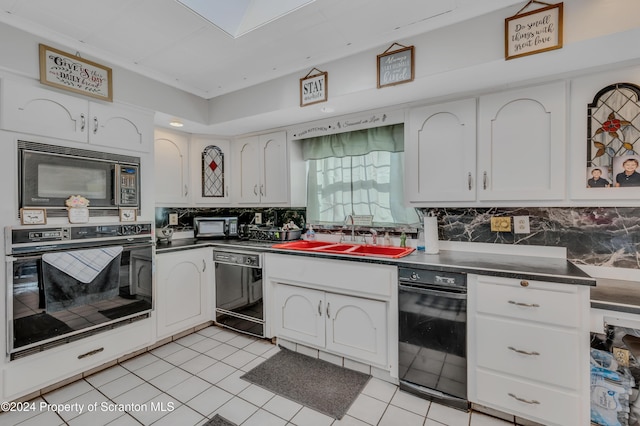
[
  {"x": 531, "y": 351},
  {"x": 542, "y": 404},
  {"x": 556, "y": 304},
  {"x": 34, "y": 372}
]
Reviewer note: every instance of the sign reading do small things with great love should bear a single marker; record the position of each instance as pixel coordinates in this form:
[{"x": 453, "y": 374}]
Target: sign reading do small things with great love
[{"x": 533, "y": 32}]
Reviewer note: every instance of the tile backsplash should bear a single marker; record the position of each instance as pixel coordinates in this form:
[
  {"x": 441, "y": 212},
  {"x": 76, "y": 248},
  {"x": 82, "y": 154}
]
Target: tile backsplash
[{"x": 596, "y": 236}]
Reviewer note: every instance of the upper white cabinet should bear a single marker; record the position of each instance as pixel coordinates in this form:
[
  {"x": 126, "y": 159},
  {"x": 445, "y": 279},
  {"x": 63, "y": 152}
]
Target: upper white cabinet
[
  {"x": 521, "y": 144},
  {"x": 440, "y": 153},
  {"x": 171, "y": 168},
  {"x": 210, "y": 164},
  {"x": 35, "y": 110},
  {"x": 261, "y": 170}
]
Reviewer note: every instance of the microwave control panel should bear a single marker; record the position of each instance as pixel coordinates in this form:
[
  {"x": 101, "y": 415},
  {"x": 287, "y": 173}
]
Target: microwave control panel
[{"x": 128, "y": 181}]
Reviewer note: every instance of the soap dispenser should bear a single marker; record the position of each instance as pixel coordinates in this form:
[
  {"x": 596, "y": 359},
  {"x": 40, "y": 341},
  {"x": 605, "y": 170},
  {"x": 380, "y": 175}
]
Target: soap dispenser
[
  {"x": 387, "y": 240},
  {"x": 311, "y": 234}
]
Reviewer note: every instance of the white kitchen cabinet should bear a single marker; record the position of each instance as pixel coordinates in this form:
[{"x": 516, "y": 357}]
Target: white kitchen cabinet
[
  {"x": 341, "y": 307},
  {"x": 210, "y": 176},
  {"x": 529, "y": 348},
  {"x": 184, "y": 290},
  {"x": 521, "y": 144},
  {"x": 120, "y": 127},
  {"x": 171, "y": 168},
  {"x": 34, "y": 372},
  {"x": 344, "y": 325},
  {"x": 261, "y": 170},
  {"x": 32, "y": 109},
  {"x": 440, "y": 153}
]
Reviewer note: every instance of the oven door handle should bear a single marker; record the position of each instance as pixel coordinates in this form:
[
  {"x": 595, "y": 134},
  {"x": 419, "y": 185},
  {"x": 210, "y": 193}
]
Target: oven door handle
[{"x": 422, "y": 290}]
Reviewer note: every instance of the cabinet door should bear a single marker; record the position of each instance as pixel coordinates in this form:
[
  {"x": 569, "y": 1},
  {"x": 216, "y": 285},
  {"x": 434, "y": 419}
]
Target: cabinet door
[
  {"x": 356, "y": 328},
  {"x": 299, "y": 315},
  {"x": 184, "y": 285},
  {"x": 210, "y": 164},
  {"x": 440, "y": 153},
  {"x": 274, "y": 182},
  {"x": 171, "y": 168},
  {"x": 38, "y": 111},
  {"x": 247, "y": 161},
  {"x": 521, "y": 144},
  {"x": 120, "y": 127}
]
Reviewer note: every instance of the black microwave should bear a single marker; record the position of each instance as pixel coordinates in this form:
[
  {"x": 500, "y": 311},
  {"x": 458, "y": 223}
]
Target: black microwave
[{"x": 50, "y": 174}]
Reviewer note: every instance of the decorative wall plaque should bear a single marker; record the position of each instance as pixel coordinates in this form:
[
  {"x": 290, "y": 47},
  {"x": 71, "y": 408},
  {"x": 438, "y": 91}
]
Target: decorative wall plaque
[
  {"x": 533, "y": 32},
  {"x": 395, "y": 66},
  {"x": 313, "y": 88},
  {"x": 71, "y": 72}
]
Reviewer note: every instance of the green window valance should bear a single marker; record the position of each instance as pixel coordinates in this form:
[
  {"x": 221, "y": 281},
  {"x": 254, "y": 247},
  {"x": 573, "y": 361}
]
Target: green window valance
[{"x": 358, "y": 142}]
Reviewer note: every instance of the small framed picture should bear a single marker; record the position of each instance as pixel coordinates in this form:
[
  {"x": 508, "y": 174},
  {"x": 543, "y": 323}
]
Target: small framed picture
[
  {"x": 128, "y": 215},
  {"x": 78, "y": 214},
  {"x": 33, "y": 216}
]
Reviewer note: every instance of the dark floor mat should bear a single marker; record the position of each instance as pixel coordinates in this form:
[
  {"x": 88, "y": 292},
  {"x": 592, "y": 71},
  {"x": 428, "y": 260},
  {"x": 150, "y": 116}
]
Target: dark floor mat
[
  {"x": 35, "y": 328},
  {"x": 312, "y": 382},
  {"x": 128, "y": 309},
  {"x": 218, "y": 420}
]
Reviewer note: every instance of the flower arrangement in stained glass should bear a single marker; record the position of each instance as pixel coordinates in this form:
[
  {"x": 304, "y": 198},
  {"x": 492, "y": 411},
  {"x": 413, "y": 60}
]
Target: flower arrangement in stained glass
[
  {"x": 212, "y": 172},
  {"x": 613, "y": 125}
]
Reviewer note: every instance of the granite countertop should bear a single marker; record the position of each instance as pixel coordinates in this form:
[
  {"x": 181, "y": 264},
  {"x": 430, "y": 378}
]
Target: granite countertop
[{"x": 509, "y": 266}]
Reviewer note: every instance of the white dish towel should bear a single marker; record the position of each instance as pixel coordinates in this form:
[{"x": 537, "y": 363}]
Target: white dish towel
[{"x": 83, "y": 265}]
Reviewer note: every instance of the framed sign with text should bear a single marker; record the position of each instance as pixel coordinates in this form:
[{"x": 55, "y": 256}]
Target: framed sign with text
[
  {"x": 395, "y": 67},
  {"x": 313, "y": 88},
  {"x": 532, "y": 32},
  {"x": 70, "y": 72}
]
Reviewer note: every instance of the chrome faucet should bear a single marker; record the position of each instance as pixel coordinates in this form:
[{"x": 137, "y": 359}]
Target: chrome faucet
[{"x": 374, "y": 236}]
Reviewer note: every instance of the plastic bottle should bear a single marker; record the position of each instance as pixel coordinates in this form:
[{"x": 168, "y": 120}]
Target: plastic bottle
[
  {"x": 387, "y": 240},
  {"x": 403, "y": 240},
  {"x": 311, "y": 234}
]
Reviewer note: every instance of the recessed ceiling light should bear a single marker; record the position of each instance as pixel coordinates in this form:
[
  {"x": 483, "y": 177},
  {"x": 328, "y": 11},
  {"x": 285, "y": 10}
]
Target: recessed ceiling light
[{"x": 176, "y": 123}]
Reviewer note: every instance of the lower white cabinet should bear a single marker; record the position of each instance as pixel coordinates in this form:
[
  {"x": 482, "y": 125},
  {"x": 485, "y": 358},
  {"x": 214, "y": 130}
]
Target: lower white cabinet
[
  {"x": 342, "y": 307},
  {"x": 529, "y": 348},
  {"x": 184, "y": 290},
  {"x": 345, "y": 325},
  {"x": 34, "y": 372}
]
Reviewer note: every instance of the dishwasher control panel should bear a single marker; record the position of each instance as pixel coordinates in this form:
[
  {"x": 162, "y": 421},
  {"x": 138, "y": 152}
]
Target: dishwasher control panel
[{"x": 431, "y": 277}]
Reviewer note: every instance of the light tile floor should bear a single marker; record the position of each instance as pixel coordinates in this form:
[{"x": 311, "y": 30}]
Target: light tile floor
[{"x": 191, "y": 379}]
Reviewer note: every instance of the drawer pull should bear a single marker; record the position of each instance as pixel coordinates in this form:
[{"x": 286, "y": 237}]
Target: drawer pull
[
  {"x": 524, "y": 283},
  {"x": 526, "y": 305},
  {"x": 526, "y": 401},
  {"x": 93, "y": 352},
  {"x": 520, "y": 351}
]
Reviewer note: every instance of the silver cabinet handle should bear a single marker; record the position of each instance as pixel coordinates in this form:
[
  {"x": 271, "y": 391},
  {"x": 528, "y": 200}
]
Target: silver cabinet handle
[
  {"x": 320, "y": 308},
  {"x": 484, "y": 180},
  {"x": 204, "y": 265},
  {"x": 526, "y": 401},
  {"x": 255, "y": 189},
  {"x": 328, "y": 312},
  {"x": 526, "y": 305},
  {"x": 261, "y": 190},
  {"x": 83, "y": 122},
  {"x": 520, "y": 351},
  {"x": 95, "y": 125},
  {"x": 93, "y": 352},
  {"x": 469, "y": 180},
  {"x": 186, "y": 190}
]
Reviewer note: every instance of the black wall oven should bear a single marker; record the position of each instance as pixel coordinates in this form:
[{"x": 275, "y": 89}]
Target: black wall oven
[{"x": 69, "y": 282}]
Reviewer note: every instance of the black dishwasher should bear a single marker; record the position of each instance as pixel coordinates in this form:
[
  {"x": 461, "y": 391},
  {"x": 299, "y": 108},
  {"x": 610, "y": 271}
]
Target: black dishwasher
[{"x": 433, "y": 335}]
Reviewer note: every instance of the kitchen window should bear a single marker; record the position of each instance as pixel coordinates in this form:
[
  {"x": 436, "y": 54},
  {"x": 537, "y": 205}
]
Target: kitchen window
[{"x": 359, "y": 172}]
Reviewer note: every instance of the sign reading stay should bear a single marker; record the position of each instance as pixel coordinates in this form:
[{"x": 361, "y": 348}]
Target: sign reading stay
[
  {"x": 533, "y": 32},
  {"x": 313, "y": 88},
  {"x": 70, "y": 72}
]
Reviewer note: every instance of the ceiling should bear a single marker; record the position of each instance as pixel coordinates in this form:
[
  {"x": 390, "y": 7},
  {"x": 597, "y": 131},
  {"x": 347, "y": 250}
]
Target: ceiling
[{"x": 165, "y": 41}]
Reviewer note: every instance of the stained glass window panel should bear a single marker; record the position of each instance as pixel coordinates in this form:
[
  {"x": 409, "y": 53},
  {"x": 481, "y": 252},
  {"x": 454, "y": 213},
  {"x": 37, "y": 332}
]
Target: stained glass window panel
[{"x": 212, "y": 172}]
